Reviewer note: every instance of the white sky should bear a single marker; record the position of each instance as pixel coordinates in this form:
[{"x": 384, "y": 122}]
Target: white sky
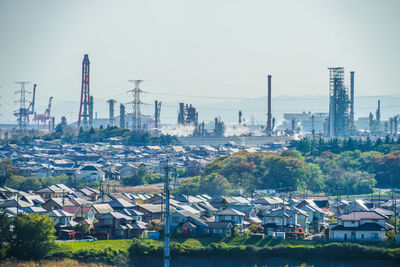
[{"x": 214, "y": 48}]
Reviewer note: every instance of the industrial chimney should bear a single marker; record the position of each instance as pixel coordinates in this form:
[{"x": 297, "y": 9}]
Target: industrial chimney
[
  {"x": 269, "y": 115},
  {"x": 352, "y": 99}
]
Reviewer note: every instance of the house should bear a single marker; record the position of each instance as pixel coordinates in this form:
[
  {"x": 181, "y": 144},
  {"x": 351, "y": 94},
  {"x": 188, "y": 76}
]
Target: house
[
  {"x": 114, "y": 225},
  {"x": 91, "y": 172},
  {"x": 91, "y": 193},
  {"x": 52, "y": 191},
  {"x": 269, "y": 202},
  {"x": 230, "y": 215},
  {"x": 205, "y": 209},
  {"x": 102, "y": 209},
  {"x": 57, "y": 171},
  {"x": 279, "y": 220},
  {"x": 188, "y": 224},
  {"x": 14, "y": 203},
  {"x": 60, "y": 218},
  {"x": 63, "y": 163},
  {"x": 316, "y": 216},
  {"x": 81, "y": 212},
  {"x": 127, "y": 170},
  {"x": 220, "y": 229},
  {"x": 56, "y": 204},
  {"x": 33, "y": 199},
  {"x": 139, "y": 228},
  {"x": 355, "y": 205},
  {"x": 248, "y": 209},
  {"x": 8, "y": 191},
  {"x": 150, "y": 212},
  {"x": 119, "y": 204},
  {"x": 35, "y": 210},
  {"x": 360, "y": 226},
  {"x": 134, "y": 214}
]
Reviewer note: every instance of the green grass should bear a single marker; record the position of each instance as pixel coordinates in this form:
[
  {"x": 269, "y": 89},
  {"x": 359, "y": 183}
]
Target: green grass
[
  {"x": 124, "y": 244},
  {"x": 120, "y": 244},
  {"x": 255, "y": 241}
]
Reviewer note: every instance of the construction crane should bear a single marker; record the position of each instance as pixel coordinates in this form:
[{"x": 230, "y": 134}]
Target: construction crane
[{"x": 42, "y": 118}]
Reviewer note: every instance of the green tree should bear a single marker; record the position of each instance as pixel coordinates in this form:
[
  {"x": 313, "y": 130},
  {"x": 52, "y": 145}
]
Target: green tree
[
  {"x": 5, "y": 228},
  {"x": 7, "y": 169},
  {"x": 137, "y": 178},
  {"x": 387, "y": 170},
  {"x": 82, "y": 228},
  {"x": 214, "y": 184},
  {"x": 315, "y": 178},
  {"x": 189, "y": 186},
  {"x": 289, "y": 173},
  {"x": 292, "y": 153},
  {"x": 33, "y": 237}
]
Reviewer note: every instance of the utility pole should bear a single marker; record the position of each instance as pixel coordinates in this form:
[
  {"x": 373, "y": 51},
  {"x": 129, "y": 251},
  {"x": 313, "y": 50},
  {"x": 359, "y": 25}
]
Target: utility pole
[
  {"x": 167, "y": 168},
  {"x": 395, "y": 213}
]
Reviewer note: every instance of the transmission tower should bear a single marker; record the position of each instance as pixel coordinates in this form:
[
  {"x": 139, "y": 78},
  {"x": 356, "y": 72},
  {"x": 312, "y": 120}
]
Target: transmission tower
[
  {"x": 22, "y": 113},
  {"x": 85, "y": 93},
  {"x": 137, "y": 115}
]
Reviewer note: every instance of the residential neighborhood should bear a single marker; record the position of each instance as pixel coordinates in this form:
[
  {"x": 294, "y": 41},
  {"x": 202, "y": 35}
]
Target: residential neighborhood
[
  {"x": 100, "y": 161},
  {"x": 127, "y": 215}
]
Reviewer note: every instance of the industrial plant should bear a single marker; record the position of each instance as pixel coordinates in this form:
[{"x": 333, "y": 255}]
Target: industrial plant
[{"x": 338, "y": 121}]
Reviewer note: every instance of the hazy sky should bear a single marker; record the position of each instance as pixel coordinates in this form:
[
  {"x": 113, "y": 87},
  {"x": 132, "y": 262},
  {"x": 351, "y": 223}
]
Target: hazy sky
[{"x": 213, "y": 48}]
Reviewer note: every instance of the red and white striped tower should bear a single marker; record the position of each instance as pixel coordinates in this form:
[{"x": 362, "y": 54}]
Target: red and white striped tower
[{"x": 85, "y": 93}]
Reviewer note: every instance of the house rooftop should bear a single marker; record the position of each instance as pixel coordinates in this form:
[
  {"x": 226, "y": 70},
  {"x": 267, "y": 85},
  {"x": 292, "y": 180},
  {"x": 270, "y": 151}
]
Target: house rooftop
[
  {"x": 362, "y": 215},
  {"x": 230, "y": 212}
]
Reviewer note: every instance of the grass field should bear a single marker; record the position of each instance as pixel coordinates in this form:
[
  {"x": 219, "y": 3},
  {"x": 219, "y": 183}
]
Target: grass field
[
  {"x": 122, "y": 244},
  {"x": 46, "y": 263}
]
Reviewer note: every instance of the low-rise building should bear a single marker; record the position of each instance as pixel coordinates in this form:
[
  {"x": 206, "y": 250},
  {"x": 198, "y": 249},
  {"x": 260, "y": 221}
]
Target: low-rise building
[{"x": 360, "y": 226}]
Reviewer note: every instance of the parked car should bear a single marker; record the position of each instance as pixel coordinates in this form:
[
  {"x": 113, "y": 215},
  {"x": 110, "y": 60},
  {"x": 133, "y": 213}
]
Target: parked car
[{"x": 90, "y": 238}]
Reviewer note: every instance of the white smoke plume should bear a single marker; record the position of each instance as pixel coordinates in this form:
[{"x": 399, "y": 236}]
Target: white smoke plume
[
  {"x": 180, "y": 131},
  {"x": 240, "y": 130}
]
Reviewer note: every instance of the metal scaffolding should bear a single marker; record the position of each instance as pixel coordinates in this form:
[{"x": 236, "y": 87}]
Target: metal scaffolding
[{"x": 339, "y": 104}]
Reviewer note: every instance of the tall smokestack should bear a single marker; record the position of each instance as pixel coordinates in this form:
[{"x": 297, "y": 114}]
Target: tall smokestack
[
  {"x": 157, "y": 112},
  {"x": 269, "y": 118},
  {"x": 111, "y": 112},
  {"x": 378, "y": 117},
  {"x": 122, "y": 116},
  {"x": 351, "y": 98}
]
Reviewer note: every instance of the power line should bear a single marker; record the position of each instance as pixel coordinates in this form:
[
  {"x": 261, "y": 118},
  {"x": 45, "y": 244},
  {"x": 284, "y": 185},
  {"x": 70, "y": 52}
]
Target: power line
[{"x": 199, "y": 96}]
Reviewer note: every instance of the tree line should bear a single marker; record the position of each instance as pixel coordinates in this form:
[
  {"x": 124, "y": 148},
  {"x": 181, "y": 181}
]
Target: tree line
[
  {"x": 339, "y": 145},
  {"x": 69, "y": 134},
  {"x": 349, "y": 172}
]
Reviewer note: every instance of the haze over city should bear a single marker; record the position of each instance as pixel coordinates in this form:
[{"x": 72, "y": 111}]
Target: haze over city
[{"x": 183, "y": 49}]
